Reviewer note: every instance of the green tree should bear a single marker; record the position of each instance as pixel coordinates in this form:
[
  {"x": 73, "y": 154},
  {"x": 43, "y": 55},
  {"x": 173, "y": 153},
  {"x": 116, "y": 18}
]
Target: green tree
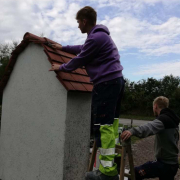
[
  {"x": 169, "y": 84},
  {"x": 5, "y": 53},
  {"x": 138, "y": 96}
]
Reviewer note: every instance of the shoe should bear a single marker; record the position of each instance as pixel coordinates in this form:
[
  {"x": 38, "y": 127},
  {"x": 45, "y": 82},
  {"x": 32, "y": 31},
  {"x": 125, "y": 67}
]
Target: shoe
[{"x": 98, "y": 175}]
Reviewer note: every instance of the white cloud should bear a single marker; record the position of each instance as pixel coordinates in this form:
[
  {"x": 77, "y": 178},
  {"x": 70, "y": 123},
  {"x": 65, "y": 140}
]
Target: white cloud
[
  {"x": 56, "y": 20},
  {"x": 163, "y": 50},
  {"x": 57, "y": 7},
  {"x": 66, "y": 27},
  {"x": 122, "y": 5},
  {"x": 37, "y": 16},
  {"x": 134, "y": 5},
  {"x": 157, "y": 1},
  {"x": 159, "y": 70},
  {"x": 18, "y": 17},
  {"x": 134, "y": 2},
  {"x": 129, "y": 32}
]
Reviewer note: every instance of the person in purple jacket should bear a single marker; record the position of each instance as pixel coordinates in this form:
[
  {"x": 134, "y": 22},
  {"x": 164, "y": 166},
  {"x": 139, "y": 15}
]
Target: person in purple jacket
[{"x": 100, "y": 56}]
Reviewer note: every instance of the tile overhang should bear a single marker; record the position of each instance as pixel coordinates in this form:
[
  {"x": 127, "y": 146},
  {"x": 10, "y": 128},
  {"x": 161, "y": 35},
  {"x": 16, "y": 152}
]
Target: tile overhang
[{"x": 76, "y": 80}]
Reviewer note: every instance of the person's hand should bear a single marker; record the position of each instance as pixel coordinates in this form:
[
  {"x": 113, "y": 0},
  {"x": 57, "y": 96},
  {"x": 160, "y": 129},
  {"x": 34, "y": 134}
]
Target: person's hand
[
  {"x": 57, "y": 46},
  {"x": 126, "y": 135},
  {"x": 55, "y": 67}
]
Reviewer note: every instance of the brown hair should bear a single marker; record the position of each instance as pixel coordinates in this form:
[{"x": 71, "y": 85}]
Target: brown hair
[
  {"x": 88, "y": 13},
  {"x": 162, "y": 102}
]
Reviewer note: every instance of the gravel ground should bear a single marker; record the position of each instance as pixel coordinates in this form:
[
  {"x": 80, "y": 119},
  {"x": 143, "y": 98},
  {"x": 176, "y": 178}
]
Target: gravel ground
[{"x": 143, "y": 151}]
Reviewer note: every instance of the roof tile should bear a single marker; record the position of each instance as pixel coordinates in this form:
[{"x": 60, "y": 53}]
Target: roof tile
[
  {"x": 69, "y": 86},
  {"x": 77, "y": 80},
  {"x": 80, "y": 71},
  {"x": 84, "y": 71},
  {"x": 86, "y": 79},
  {"x": 62, "y": 53},
  {"x": 66, "y": 76},
  {"x": 54, "y": 57},
  {"x": 65, "y": 59},
  {"x": 89, "y": 87},
  {"x": 66, "y": 54},
  {"x": 78, "y": 86}
]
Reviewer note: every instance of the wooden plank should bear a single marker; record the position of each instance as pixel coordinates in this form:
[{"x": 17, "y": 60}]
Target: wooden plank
[
  {"x": 131, "y": 163},
  {"x": 93, "y": 156},
  {"x": 122, "y": 169},
  {"x": 119, "y": 151},
  {"x": 127, "y": 175},
  {"x": 118, "y": 146}
]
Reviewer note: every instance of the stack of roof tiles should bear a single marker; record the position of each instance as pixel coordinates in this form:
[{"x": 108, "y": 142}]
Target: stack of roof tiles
[{"x": 77, "y": 80}]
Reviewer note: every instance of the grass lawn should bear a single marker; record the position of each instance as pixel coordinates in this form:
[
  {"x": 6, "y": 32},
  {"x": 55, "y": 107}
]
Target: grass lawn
[
  {"x": 134, "y": 139},
  {"x": 126, "y": 116}
]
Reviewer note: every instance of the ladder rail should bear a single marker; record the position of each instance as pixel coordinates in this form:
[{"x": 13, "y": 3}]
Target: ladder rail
[
  {"x": 122, "y": 166},
  {"x": 131, "y": 162},
  {"x": 93, "y": 156},
  {"x": 120, "y": 149}
]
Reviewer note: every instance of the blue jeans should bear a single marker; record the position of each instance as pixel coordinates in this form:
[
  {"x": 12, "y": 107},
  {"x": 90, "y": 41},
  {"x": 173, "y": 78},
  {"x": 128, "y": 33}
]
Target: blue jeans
[{"x": 153, "y": 169}]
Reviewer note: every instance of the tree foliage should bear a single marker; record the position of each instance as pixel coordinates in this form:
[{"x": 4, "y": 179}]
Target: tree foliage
[
  {"x": 138, "y": 97},
  {"x": 5, "y": 53}
]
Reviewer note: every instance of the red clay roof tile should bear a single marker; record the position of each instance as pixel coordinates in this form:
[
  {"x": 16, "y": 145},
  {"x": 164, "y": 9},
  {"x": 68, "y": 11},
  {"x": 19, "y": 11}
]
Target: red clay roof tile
[
  {"x": 77, "y": 80},
  {"x": 65, "y": 76},
  {"x": 54, "y": 57},
  {"x": 65, "y": 54},
  {"x": 65, "y": 59},
  {"x": 86, "y": 79},
  {"x": 78, "y": 86},
  {"x": 84, "y": 71},
  {"x": 79, "y": 71},
  {"x": 89, "y": 87},
  {"x": 69, "y": 86}
]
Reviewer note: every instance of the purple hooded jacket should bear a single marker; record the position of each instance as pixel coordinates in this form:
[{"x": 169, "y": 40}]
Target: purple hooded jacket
[{"x": 99, "y": 55}]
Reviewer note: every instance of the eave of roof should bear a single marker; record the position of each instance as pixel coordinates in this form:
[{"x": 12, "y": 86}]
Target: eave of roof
[{"x": 77, "y": 80}]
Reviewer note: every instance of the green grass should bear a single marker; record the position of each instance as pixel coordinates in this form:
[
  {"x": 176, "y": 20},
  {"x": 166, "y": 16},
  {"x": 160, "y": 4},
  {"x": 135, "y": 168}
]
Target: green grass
[
  {"x": 134, "y": 139},
  {"x": 126, "y": 116}
]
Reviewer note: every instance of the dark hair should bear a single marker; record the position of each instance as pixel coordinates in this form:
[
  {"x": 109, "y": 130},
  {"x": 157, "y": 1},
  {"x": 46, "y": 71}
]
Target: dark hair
[{"x": 88, "y": 13}]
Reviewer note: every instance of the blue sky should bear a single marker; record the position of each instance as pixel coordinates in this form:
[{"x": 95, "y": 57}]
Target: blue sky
[{"x": 146, "y": 32}]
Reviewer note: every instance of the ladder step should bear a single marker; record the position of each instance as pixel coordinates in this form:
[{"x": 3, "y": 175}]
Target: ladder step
[
  {"x": 126, "y": 148},
  {"x": 118, "y": 149},
  {"x": 127, "y": 175},
  {"x": 118, "y": 146}
]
